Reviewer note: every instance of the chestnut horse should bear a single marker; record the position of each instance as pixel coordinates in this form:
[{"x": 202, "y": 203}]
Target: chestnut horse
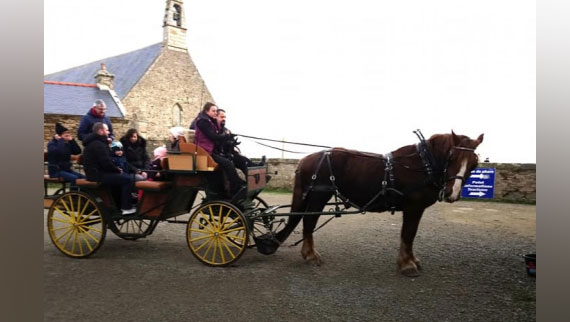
[{"x": 409, "y": 179}]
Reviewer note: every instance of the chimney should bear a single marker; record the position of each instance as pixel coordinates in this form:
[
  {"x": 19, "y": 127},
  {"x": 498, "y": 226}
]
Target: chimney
[{"x": 104, "y": 78}]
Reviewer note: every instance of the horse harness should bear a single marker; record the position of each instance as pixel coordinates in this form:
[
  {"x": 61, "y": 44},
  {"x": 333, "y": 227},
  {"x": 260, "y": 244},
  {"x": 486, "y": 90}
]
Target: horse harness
[{"x": 388, "y": 183}]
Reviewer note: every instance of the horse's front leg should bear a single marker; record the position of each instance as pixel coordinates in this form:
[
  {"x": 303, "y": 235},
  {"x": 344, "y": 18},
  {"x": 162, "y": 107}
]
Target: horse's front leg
[{"x": 408, "y": 263}]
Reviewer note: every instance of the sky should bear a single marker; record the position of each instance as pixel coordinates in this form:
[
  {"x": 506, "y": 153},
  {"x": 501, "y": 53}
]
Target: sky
[{"x": 356, "y": 74}]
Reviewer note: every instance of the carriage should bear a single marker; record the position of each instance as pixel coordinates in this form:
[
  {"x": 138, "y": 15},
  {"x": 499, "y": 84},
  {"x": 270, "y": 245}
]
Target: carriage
[{"x": 220, "y": 229}]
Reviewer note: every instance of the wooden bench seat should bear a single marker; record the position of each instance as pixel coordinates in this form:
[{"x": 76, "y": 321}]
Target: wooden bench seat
[
  {"x": 56, "y": 180},
  {"x": 153, "y": 185},
  {"x": 88, "y": 184}
]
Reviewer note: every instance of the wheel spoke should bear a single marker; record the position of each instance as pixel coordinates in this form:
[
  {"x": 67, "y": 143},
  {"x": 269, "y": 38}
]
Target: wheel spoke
[
  {"x": 71, "y": 205},
  {"x": 214, "y": 223},
  {"x": 215, "y": 250},
  {"x": 202, "y": 245},
  {"x": 207, "y": 220},
  {"x": 69, "y": 229},
  {"x": 225, "y": 217},
  {"x": 221, "y": 251},
  {"x": 233, "y": 229},
  {"x": 96, "y": 220},
  {"x": 89, "y": 215},
  {"x": 86, "y": 240},
  {"x": 231, "y": 243},
  {"x": 92, "y": 237},
  {"x": 61, "y": 212},
  {"x": 61, "y": 220},
  {"x": 77, "y": 233},
  {"x": 200, "y": 238},
  {"x": 225, "y": 243},
  {"x": 231, "y": 222},
  {"x": 208, "y": 249}
]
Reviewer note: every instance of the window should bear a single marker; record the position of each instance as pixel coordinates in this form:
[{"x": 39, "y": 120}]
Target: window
[{"x": 176, "y": 115}]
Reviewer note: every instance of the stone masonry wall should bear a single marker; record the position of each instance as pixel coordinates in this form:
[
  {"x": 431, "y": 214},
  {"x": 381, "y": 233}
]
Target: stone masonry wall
[
  {"x": 513, "y": 182},
  {"x": 172, "y": 80}
]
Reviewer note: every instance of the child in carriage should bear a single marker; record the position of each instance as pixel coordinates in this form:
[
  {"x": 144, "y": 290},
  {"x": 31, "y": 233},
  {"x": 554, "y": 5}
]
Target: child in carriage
[
  {"x": 59, "y": 151},
  {"x": 121, "y": 161},
  {"x": 156, "y": 165}
]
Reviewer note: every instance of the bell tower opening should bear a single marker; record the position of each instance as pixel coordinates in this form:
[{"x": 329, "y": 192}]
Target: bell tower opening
[{"x": 174, "y": 26}]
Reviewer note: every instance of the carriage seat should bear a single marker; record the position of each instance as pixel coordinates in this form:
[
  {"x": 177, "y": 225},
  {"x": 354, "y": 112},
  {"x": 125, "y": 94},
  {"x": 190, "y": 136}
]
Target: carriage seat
[
  {"x": 153, "y": 185},
  {"x": 87, "y": 184},
  {"x": 55, "y": 180}
]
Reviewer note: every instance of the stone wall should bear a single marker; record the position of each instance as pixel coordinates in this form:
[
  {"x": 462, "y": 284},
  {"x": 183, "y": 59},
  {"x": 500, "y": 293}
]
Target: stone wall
[
  {"x": 171, "y": 82},
  {"x": 513, "y": 182}
]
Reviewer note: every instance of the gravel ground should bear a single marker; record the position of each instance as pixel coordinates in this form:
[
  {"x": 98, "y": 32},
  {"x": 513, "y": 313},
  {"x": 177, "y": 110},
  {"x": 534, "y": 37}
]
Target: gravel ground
[{"x": 471, "y": 272}]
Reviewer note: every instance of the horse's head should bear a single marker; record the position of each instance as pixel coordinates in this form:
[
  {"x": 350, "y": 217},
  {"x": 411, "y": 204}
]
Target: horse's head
[{"x": 460, "y": 160}]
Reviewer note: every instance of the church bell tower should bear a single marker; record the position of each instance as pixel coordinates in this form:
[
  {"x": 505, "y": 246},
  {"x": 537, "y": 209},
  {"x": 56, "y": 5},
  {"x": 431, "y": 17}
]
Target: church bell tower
[{"x": 174, "y": 26}]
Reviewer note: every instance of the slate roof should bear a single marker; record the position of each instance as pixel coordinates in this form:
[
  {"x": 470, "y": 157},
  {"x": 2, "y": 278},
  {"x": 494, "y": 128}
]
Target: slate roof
[
  {"x": 76, "y": 99},
  {"x": 128, "y": 68}
]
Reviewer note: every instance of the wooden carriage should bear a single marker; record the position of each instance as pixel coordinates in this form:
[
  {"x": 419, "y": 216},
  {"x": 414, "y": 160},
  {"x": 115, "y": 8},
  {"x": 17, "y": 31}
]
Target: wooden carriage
[{"x": 218, "y": 229}]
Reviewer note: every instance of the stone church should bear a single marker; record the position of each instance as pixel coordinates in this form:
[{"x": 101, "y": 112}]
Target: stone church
[{"x": 150, "y": 89}]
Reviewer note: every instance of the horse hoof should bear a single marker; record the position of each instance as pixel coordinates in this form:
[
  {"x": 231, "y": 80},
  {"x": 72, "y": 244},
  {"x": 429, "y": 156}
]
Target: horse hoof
[
  {"x": 410, "y": 272},
  {"x": 313, "y": 259}
]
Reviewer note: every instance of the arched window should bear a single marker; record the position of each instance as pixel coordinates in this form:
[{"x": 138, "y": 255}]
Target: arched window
[{"x": 176, "y": 115}]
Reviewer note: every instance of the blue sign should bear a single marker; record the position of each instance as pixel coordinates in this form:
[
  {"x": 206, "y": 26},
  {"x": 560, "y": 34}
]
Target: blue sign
[{"x": 481, "y": 184}]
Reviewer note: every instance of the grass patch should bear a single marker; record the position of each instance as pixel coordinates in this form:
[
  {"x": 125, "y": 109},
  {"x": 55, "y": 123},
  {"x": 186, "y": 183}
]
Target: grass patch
[{"x": 277, "y": 190}]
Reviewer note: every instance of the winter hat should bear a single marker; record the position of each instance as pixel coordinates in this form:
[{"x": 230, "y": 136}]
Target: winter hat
[
  {"x": 59, "y": 128},
  {"x": 176, "y": 131},
  {"x": 116, "y": 145},
  {"x": 159, "y": 152}
]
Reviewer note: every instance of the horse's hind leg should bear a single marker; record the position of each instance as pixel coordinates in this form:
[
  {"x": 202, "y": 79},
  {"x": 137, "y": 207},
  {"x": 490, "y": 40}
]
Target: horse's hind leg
[
  {"x": 408, "y": 264},
  {"x": 308, "y": 251}
]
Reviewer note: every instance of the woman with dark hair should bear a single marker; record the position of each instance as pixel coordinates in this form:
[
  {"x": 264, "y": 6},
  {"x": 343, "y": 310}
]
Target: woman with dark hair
[{"x": 134, "y": 147}]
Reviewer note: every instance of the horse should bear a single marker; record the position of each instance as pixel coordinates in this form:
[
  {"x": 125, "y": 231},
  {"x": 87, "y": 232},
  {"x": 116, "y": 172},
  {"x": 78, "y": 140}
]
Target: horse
[{"x": 409, "y": 180}]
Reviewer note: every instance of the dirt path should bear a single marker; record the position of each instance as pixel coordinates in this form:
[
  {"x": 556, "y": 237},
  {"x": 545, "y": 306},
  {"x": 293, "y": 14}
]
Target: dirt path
[{"x": 468, "y": 249}]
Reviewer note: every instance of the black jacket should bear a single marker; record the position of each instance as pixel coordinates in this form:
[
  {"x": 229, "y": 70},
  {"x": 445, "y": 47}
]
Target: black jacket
[
  {"x": 96, "y": 157},
  {"x": 59, "y": 155},
  {"x": 136, "y": 153}
]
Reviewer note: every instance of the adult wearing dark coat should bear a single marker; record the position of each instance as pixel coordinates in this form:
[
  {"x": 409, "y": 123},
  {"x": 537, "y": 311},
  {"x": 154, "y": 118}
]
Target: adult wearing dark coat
[
  {"x": 208, "y": 137},
  {"x": 95, "y": 114},
  {"x": 60, "y": 149},
  {"x": 134, "y": 147},
  {"x": 100, "y": 168}
]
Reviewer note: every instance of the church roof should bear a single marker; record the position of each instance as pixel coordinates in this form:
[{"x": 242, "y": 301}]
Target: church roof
[
  {"x": 128, "y": 68},
  {"x": 76, "y": 99}
]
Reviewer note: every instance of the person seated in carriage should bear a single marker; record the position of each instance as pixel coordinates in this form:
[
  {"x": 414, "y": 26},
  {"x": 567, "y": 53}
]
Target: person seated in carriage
[
  {"x": 229, "y": 149},
  {"x": 155, "y": 174},
  {"x": 100, "y": 168},
  {"x": 173, "y": 134},
  {"x": 119, "y": 159},
  {"x": 208, "y": 137},
  {"x": 59, "y": 151}
]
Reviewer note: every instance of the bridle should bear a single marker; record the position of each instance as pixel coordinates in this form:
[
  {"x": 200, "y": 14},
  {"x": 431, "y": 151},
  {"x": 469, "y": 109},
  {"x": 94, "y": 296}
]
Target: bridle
[
  {"x": 430, "y": 164},
  {"x": 446, "y": 178}
]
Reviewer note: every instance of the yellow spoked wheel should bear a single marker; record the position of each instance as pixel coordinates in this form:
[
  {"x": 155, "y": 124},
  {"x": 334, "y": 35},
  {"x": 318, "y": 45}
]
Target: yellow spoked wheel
[
  {"x": 217, "y": 233},
  {"x": 75, "y": 224}
]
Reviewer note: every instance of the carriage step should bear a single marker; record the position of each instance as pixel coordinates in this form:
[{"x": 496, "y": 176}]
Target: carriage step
[{"x": 177, "y": 221}]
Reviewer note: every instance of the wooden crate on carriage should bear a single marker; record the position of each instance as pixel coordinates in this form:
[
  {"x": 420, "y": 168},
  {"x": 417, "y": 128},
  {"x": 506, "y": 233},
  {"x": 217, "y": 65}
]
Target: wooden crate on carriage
[
  {"x": 256, "y": 178},
  {"x": 190, "y": 157}
]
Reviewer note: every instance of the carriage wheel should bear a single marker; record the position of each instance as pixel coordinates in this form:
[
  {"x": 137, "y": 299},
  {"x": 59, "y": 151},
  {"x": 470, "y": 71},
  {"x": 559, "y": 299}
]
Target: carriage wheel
[
  {"x": 133, "y": 229},
  {"x": 223, "y": 239},
  {"x": 76, "y": 225}
]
